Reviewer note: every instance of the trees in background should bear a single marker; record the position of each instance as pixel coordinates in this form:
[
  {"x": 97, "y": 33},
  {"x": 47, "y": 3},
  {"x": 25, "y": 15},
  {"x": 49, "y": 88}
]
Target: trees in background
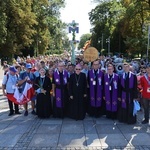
[
  {"x": 31, "y": 27},
  {"x": 83, "y": 39},
  {"x": 124, "y": 22}
]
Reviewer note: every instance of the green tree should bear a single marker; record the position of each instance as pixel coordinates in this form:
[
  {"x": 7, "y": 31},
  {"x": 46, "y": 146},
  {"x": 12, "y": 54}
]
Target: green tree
[
  {"x": 123, "y": 21},
  {"x": 30, "y": 25},
  {"x": 135, "y": 18},
  {"x": 104, "y": 18},
  {"x": 83, "y": 39},
  {"x": 17, "y": 21}
]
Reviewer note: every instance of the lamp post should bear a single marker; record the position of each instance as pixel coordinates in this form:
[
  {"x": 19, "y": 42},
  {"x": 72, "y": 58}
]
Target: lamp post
[
  {"x": 37, "y": 47},
  {"x": 73, "y": 28},
  {"x": 148, "y": 43},
  {"x": 108, "y": 41}
]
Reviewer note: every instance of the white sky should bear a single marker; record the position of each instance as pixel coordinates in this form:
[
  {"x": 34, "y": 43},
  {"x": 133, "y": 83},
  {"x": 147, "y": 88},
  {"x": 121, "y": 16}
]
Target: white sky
[{"x": 78, "y": 10}]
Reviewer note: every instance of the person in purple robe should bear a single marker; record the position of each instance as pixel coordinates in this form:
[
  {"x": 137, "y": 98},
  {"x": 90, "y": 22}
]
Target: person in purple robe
[
  {"x": 111, "y": 92},
  {"x": 60, "y": 91},
  {"x": 96, "y": 104},
  {"x": 77, "y": 92},
  {"x": 128, "y": 95}
]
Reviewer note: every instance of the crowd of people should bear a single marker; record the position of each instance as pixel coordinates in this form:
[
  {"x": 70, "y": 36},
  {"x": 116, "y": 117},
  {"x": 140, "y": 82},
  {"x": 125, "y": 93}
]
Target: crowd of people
[{"x": 63, "y": 89}]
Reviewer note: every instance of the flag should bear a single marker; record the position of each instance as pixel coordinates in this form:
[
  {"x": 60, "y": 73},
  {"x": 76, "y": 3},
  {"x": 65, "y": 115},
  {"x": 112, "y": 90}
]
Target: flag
[{"x": 24, "y": 97}]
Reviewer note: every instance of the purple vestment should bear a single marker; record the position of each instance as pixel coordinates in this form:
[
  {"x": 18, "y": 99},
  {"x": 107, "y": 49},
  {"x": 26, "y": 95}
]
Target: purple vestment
[
  {"x": 95, "y": 96},
  {"x": 131, "y": 85},
  {"x": 111, "y": 91},
  {"x": 58, "y": 91}
]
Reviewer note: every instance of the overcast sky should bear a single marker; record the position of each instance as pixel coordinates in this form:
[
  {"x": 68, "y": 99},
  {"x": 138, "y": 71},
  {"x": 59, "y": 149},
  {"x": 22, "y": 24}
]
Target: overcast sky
[{"x": 78, "y": 10}]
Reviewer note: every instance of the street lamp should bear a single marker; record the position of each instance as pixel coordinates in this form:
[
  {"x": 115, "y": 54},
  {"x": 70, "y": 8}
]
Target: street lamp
[
  {"x": 148, "y": 43},
  {"x": 37, "y": 49},
  {"x": 108, "y": 41},
  {"x": 100, "y": 40}
]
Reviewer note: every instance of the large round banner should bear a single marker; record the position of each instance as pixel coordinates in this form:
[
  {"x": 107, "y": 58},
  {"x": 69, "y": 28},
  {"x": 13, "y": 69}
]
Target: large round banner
[{"x": 90, "y": 54}]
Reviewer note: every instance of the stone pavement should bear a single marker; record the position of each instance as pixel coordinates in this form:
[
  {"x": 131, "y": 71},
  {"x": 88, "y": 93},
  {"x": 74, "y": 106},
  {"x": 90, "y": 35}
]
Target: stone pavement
[{"x": 31, "y": 133}]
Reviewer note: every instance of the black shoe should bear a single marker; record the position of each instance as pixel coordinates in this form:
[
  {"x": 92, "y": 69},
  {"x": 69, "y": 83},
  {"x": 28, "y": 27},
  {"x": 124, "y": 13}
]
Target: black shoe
[
  {"x": 26, "y": 113},
  {"x": 33, "y": 112},
  {"x": 18, "y": 113},
  {"x": 10, "y": 114},
  {"x": 144, "y": 121}
]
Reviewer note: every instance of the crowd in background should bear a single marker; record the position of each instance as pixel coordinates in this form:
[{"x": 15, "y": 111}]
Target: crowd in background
[{"x": 106, "y": 86}]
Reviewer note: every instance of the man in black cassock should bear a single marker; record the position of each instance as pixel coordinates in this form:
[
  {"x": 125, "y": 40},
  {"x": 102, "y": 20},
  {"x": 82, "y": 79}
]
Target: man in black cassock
[
  {"x": 128, "y": 94},
  {"x": 77, "y": 91}
]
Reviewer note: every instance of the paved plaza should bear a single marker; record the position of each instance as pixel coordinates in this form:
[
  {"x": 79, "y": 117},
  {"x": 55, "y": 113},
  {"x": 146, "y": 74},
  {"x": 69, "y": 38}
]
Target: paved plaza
[{"x": 18, "y": 132}]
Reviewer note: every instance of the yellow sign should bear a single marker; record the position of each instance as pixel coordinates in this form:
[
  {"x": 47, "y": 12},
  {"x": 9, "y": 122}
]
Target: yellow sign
[{"x": 90, "y": 54}]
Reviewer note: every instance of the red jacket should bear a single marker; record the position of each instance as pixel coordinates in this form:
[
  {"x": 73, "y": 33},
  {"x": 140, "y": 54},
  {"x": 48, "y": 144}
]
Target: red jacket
[{"x": 145, "y": 86}]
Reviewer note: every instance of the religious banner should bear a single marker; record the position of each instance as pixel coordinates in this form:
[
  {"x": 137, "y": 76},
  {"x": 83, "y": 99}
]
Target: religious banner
[{"x": 90, "y": 54}]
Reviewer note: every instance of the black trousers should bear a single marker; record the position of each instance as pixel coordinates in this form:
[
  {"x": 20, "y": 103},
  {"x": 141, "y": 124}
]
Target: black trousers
[
  {"x": 146, "y": 103},
  {"x": 11, "y": 107}
]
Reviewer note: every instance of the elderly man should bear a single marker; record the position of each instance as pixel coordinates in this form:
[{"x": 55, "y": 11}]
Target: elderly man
[
  {"x": 77, "y": 91},
  {"x": 60, "y": 91},
  {"x": 8, "y": 87}
]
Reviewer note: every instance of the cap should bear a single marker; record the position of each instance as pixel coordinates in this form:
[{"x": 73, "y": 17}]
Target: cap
[
  {"x": 28, "y": 66},
  {"x": 13, "y": 69},
  {"x": 78, "y": 66}
]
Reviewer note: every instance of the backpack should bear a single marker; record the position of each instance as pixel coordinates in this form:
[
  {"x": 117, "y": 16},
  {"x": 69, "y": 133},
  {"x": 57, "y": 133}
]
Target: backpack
[{"x": 4, "y": 85}]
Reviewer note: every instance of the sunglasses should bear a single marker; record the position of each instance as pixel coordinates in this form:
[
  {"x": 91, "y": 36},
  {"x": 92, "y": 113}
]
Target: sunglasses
[{"x": 78, "y": 69}]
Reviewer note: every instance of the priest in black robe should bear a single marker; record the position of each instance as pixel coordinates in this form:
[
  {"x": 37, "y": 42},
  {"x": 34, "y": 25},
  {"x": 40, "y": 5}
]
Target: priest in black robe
[
  {"x": 128, "y": 95},
  {"x": 77, "y": 91}
]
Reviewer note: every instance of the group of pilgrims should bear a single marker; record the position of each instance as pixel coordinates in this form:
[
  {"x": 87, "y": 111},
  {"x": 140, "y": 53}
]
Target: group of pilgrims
[{"x": 77, "y": 91}]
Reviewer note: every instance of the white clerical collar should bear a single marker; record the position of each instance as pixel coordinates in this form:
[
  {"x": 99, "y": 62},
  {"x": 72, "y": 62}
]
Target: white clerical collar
[
  {"x": 112, "y": 75},
  {"x": 62, "y": 71},
  {"x": 97, "y": 71},
  {"x": 43, "y": 76}
]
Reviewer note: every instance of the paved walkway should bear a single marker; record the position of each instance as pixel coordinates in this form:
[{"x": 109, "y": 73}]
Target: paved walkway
[
  {"x": 21, "y": 133},
  {"x": 31, "y": 133}
]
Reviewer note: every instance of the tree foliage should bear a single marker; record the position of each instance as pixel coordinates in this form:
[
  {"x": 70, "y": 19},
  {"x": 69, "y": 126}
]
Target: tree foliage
[
  {"x": 123, "y": 21},
  {"x": 83, "y": 39},
  {"x": 30, "y": 24}
]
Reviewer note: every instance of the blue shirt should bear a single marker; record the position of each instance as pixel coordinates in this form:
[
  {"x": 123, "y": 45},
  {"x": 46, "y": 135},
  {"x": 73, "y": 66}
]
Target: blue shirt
[
  {"x": 10, "y": 81},
  {"x": 23, "y": 75}
]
